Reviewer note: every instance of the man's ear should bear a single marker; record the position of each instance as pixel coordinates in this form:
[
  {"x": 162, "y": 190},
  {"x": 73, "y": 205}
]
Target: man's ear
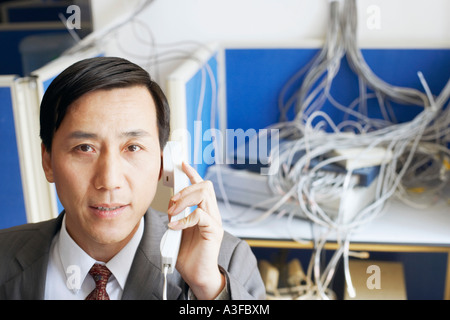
[
  {"x": 47, "y": 163},
  {"x": 161, "y": 167}
]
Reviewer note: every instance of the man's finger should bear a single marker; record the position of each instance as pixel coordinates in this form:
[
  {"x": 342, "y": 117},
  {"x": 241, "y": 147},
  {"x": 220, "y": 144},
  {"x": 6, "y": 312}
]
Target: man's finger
[{"x": 192, "y": 174}]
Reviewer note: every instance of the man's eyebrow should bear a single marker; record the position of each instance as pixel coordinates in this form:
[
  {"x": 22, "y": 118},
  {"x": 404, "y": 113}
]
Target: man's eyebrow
[
  {"x": 135, "y": 133},
  {"x": 82, "y": 135},
  {"x": 127, "y": 134}
]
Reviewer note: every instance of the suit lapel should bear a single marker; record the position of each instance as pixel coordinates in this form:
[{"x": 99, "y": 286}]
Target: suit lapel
[{"x": 145, "y": 280}]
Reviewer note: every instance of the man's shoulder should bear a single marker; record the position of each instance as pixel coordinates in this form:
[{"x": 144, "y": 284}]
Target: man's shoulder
[
  {"x": 14, "y": 238},
  {"x": 27, "y": 228}
]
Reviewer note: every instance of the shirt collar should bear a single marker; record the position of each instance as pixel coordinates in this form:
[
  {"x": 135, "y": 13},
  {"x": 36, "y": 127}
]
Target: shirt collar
[{"x": 73, "y": 257}]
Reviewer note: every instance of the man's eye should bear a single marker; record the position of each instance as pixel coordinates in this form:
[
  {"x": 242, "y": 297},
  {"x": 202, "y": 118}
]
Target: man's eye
[
  {"x": 85, "y": 148},
  {"x": 133, "y": 148}
]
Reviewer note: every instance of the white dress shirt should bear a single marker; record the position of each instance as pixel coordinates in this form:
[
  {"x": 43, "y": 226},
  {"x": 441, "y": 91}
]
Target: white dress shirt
[{"x": 68, "y": 269}]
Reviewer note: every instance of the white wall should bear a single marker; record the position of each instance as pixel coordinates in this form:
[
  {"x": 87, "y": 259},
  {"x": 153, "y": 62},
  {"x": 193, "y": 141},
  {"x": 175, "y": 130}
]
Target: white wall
[
  {"x": 398, "y": 23},
  {"x": 425, "y": 21}
]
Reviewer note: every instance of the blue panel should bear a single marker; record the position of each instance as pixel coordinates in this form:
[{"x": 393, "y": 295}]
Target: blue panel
[
  {"x": 11, "y": 195},
  {"x": 204, "y": 156},
  {"x": 255, "y": 77},
  {"x": 47, "y": 82}
]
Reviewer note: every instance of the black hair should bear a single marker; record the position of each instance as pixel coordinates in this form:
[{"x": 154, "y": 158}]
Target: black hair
[{"x": 99, "y": 73}]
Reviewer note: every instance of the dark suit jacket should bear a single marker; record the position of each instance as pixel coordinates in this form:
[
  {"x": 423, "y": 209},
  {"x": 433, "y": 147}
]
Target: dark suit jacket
[{"x": 24, "y": 256}]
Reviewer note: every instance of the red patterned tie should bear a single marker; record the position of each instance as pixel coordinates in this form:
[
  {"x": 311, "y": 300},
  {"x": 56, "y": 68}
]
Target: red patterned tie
[{"x": 101, "y": 274}]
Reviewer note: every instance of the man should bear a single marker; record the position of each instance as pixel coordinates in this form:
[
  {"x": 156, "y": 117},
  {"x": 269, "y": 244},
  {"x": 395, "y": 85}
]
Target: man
[{"x": 104, "y": 124}]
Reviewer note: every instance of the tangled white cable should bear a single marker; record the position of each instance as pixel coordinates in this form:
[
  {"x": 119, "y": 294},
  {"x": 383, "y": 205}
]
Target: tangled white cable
[{"x": 401, "y": 149}]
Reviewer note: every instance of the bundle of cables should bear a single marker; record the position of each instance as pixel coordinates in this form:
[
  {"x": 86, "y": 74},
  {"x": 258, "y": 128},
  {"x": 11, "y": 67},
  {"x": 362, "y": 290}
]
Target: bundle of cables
[{"x": 412, "y": 156}]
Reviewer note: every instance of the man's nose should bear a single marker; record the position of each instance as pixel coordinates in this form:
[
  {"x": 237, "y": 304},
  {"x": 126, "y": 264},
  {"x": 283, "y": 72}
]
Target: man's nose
[{"x": 109, "y": 173}]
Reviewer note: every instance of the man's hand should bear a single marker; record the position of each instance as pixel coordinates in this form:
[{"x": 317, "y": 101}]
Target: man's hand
[{"x": 202, "y": 236}]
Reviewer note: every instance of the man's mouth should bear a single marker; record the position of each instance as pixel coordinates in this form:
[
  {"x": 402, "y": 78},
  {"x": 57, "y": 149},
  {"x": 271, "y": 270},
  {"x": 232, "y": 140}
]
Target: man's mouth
[{"x": 108, "y": 210}]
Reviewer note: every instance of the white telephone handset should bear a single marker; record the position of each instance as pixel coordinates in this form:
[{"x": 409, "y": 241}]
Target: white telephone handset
[{"x": 173, "y": 177}]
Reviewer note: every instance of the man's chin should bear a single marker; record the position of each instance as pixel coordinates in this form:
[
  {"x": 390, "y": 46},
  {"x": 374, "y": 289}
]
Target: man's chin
[{"x": 113, "y": 235}]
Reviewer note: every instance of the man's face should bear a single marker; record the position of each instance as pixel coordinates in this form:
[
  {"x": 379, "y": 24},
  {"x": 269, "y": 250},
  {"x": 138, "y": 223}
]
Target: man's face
[{"x": 105, "y": 162}]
